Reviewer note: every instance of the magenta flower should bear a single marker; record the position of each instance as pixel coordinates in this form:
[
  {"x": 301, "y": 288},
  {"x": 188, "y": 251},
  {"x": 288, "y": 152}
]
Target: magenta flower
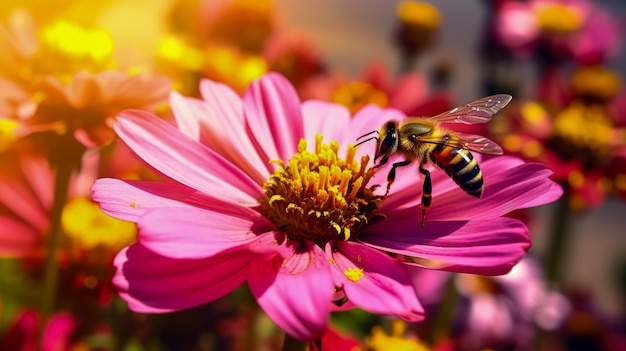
[
  {"x": 304, "y": 232},
  {"x": 497, "y": 311},
  {"x": 579, "y": 29},
  {"x": 23, "y": 334}
]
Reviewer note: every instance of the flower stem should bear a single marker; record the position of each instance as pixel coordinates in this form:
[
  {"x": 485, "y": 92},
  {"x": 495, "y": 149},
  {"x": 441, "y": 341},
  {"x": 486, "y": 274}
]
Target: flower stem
[
  {"x": 407, "y": 64},
  {"x": 292, "y": 344},
  {"x": 51, "y": 268},
  {"x": 557, "y": 246},
  {"x": 442, "y": 319}
]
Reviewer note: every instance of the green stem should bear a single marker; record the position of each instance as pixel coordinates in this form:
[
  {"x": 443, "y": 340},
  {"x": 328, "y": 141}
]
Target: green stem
[
  {"x": 51, "y": 268},
  {"x": 442, "y": 320},
  {"x": 407, "y": 63},
  {"x": 292, "y": 344},
  {"x": 557, "y": 246}
]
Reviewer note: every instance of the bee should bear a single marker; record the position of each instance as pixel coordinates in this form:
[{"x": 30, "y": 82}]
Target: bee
[{"x": 423, "y": 139}]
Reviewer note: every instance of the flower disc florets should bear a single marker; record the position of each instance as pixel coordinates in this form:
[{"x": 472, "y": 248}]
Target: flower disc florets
[{"x": 319, "y": 196}]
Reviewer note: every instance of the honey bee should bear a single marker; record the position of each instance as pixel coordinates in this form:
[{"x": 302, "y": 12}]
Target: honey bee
[{"x": 423, "y": 139}]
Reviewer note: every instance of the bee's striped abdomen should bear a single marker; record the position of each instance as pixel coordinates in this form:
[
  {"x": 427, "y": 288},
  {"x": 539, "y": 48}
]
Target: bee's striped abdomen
[{"x": 461, "y": 166}]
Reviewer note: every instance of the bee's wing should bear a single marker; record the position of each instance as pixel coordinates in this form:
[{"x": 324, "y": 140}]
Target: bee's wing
[
  {"x": 472, "y": 142},
  {"x": 477, "y": 111}
]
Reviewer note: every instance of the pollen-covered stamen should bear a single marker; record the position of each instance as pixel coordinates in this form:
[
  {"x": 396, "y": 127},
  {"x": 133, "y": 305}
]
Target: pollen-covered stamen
[{"x": 319, "y": 196}]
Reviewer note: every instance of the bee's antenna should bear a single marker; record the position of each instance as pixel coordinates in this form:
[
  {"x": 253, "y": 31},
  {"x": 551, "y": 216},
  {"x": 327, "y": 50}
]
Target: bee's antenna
[
  {"x": 366, "y": 134},
  {"x": 368, "y": 139}
]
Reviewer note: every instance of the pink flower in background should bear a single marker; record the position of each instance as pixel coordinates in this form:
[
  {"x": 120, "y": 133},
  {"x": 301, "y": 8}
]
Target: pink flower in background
[
  {"x": 586, "y": 159},
  {"x": 295, "y": 56},
  {"x": 304, "y": 232},
  {"x": 25, "y": 201},
  {"x": 577, "y": 28},
  {"x": 497, "y": 311},
  {"x": 23, "y": 334},
  {"x": 26, "y": 196},
  {"x": 408, "y": 92}
]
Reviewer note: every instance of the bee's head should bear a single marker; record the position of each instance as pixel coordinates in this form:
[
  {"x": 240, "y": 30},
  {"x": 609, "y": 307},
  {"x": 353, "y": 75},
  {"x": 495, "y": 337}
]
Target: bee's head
[{"x": 387, "y": 142}]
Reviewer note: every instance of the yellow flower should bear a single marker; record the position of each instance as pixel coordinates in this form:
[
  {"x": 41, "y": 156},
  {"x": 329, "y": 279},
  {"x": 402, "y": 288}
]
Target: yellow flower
[
  {"x": 234, "y": 68},
  {"x": 356, "y": 95},
  {"x": 417, "y": 13},
  {"x": 88, "y": 228},
  {"x": 379, "y": 340},
  {"x": 59, "y": 49},
  {"x": 242, "y": 24},
  {"x": 596, "y": 82},
  {"x": 557, "y": 18}
]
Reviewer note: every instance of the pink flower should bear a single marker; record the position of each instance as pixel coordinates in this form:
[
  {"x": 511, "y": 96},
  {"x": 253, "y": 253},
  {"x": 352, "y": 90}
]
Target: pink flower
[
  {"x": 408, "y": 92},
  {"x": 25, "y": 201},
  {"x": 496, "y": 311},
  {"x": 577, "y": 28},
  {"x": 304, "y": 231},
  {"x": 23, "y": 335}
]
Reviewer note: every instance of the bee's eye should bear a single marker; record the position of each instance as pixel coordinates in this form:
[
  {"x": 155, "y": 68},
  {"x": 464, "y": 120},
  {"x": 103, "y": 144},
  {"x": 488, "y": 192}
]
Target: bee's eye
[
  {"x": 413, "y": 138},
  {"x": 387, "y": 143}
]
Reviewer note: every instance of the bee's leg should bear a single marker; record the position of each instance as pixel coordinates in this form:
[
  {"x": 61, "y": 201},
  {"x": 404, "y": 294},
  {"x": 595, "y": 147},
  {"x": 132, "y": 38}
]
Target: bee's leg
[
  {"x": 391, "y": 177},
  {"x": 427, "y": 192}
]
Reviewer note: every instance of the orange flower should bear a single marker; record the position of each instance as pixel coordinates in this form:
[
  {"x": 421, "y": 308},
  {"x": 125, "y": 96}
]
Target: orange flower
[{"x": 74, "y": 116}]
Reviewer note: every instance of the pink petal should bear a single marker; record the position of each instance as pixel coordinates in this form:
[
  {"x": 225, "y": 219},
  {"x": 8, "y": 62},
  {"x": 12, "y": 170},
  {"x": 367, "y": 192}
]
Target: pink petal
[
  {"x": 223, "y": 100},
  {"x": 20, "y": 198},
  {"x": 409, "y": 91},
  {"x": 369, "y": 118},
  {"x": 509, "y": 184},
  {"x": 184, "y": 160},
  {"x": 384, "y": 288},
  {"x": 154, "y": 284},
  {"x": 201, "y": 122},
  {"x": 406, "y": 191},
  {"x": 58, "y": 331},
  {"x": 429, "y": 284},
  {"x": 504, "y": 192},
  {"x": 554, "y": 193},
  {"x": 273, "y": 116},
  {"x": 129, "y": 199},
  {"x": 188, "y": 114},
  {"x": 330, "y": 120},
  {"x": 19, "y": 238},
  {"x": 295, "y": 292},
  {"x": 23, "y": 334},
  {"x": 480, "y": 247},
  {"x": 194, "y": 233},
  {"x": 40, "y": 178},
  {"x": 83, "y": 90}
]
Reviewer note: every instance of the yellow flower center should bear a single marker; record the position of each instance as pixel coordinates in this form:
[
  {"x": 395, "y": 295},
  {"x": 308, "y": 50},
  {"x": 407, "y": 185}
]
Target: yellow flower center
[
  {"x": 356, "y": 95},
  {"x": 417, "y": 13},
  {"x": 379, "y": 340},
  {"x": 8, "y": 133},
  {"x": 319, "y": 196},
  {"x": 583, "y": 131},
  {"x": 533, "y": 113},
  {"x": 558, "y": 18},
  {"x": 88, "y": 227},
  {"x": 596, "y": 82},
  {"x": 67, "y": 48},
  {"x": 477, "y": 285}
]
